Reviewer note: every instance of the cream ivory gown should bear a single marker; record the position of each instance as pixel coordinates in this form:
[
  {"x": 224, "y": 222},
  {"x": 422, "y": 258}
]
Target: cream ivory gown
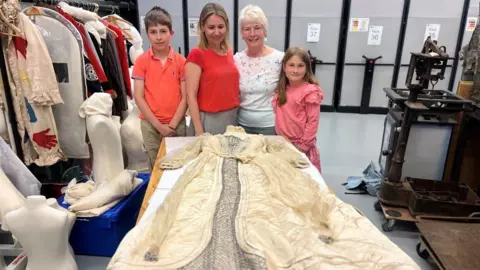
[{"x": 243, "y": 204}]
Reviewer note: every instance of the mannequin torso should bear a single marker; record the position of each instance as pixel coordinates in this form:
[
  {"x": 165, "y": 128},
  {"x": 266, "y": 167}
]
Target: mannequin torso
[
  {"x": 43, "y": 233},
  {"x": 107, "y": 148},
  {"x": 132, "y": 141},
  {"x": 71, "y": 217}
]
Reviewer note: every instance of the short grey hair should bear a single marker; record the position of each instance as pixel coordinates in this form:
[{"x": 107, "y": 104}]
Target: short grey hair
[{"x": 254, "y": 13}]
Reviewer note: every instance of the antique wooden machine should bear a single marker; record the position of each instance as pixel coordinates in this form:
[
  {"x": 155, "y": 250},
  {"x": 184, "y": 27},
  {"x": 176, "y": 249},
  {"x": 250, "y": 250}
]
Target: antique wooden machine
[{"x": 401, "y": 199}]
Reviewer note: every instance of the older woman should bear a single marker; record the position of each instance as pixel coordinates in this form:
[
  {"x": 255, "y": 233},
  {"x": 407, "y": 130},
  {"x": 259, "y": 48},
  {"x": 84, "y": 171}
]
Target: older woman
[{"x": 259, "y": 67}]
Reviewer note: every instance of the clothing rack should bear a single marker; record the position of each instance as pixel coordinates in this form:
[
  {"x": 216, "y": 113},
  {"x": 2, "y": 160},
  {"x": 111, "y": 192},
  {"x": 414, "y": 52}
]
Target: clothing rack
[
  {"x": 11, "y": 114},
  {"x": 90, "y": 5}
]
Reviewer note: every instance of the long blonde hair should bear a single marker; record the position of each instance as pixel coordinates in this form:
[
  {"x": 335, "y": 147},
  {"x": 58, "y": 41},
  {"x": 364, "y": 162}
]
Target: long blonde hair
[
  {"x": 283, "y": 80},
  {"x": 207, "y": 11}
]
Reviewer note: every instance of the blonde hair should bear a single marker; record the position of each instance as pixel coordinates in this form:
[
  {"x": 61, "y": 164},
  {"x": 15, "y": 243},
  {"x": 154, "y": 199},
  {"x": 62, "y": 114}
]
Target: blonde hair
[
  {"x": 283, "y": 80},
  {"x": 207, "y": 11},
  {"x": 253, "y": 13}
]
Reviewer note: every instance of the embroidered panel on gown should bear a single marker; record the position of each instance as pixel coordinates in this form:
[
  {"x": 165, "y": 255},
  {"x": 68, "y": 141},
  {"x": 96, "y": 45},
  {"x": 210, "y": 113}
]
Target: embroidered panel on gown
[{"x": 223, "y": 251}]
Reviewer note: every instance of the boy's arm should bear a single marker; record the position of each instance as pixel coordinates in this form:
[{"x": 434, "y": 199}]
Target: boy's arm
[
  {"x": 139, "y": 86},
  {"x": 182, "y": 108}
]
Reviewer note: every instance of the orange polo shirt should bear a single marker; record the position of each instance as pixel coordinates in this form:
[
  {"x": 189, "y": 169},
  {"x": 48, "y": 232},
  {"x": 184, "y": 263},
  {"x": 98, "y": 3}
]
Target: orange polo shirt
[{"x": 162, "y": 82}]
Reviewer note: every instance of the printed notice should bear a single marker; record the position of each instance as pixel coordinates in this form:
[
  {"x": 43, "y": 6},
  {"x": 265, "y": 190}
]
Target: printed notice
[
  {"x": 433, "y": 31},
  {"x": 193, "y": 27},
  {"x": 142, "y": 25},
  {"x": 313, "y": 32},
  {"x": 375, "y": 35},
  {"x": 359, "y": 24},
  {"x": 471, "y": 23}
]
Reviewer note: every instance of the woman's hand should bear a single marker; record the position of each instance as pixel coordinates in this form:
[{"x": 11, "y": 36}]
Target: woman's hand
[{"x": 199, "y": 132}]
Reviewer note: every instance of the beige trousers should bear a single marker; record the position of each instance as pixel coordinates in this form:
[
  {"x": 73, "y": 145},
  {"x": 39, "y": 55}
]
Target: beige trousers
[{"x": 152, "y": 138}]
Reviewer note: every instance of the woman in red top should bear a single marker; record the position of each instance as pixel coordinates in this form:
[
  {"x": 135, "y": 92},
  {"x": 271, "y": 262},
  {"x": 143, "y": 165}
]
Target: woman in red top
[{"x": 211, "y": 77}]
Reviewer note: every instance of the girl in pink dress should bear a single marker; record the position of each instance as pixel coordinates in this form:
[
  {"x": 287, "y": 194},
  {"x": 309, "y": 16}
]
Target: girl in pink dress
[{"x": 297, "y": 103}]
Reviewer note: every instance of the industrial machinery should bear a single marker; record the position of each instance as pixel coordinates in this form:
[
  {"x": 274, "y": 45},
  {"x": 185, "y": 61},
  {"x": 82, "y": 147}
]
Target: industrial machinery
[{"x": 396, "y": 194}]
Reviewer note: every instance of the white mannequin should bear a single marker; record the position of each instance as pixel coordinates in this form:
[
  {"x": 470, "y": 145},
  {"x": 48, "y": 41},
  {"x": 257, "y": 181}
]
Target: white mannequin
[
  {"x": 104, "y": 136},
  {"x": 132, "y": 141},
  {"x": 71, "y": 217},
  {"x": 43, "y": 233},
  {"x": 116, "y": 120},
  {"x": 10, "y": 198},
  {"x": 129, "y": 110}
]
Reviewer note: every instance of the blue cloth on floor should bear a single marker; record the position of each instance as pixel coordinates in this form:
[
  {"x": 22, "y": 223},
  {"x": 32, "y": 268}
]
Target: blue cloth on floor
[{"x": 369, "y": 182}]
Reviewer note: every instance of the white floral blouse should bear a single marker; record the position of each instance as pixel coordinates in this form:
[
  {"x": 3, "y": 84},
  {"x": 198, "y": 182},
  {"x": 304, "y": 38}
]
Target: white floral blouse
[{"x": 258, "y": 80}]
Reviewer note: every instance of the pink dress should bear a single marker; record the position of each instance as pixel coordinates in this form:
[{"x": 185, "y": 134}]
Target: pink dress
[{"x": 298, "y": 118}]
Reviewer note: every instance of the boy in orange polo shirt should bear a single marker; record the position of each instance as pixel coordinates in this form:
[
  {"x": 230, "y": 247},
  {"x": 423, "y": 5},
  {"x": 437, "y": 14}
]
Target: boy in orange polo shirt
[{"x": 159, "y": 84}]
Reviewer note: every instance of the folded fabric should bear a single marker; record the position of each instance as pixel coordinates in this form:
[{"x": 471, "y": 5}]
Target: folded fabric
[
  {"x": 123, "y": 184},
  {"x": 77, "y": 191},
  {"x": 95, "y": 212},
  {"x": 370, "y": 181}
]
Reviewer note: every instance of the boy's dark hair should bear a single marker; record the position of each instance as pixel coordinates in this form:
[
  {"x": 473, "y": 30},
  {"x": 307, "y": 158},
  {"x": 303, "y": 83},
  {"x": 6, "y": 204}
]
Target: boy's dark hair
[{"x": 158, "y": 15}]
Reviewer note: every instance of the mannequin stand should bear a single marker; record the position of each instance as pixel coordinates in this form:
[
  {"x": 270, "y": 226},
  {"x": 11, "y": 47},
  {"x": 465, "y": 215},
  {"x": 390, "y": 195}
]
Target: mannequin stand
[{"x": 9, "y": 247}]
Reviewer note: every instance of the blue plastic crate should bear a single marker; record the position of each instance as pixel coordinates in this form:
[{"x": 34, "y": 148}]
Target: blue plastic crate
[{"x": 100, "y": 236}]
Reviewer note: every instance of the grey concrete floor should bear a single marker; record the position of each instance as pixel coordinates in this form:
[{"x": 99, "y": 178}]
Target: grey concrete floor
[{"x": 347, "y": 144}]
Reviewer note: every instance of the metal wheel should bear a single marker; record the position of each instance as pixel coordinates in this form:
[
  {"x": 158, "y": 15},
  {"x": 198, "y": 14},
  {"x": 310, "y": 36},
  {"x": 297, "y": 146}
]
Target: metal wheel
[
  {"x": 422, "y": 253},
  {"x": 377, "y": 206},
  {"x": 387, "y": 226}
]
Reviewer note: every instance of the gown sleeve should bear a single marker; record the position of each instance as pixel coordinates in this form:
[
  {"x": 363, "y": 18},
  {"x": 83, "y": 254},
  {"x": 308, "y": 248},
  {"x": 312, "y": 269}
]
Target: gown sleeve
[
  {"x": 296, "y": 189},
  {"x": 180, "y": 157},
  {"x": 282, "y": 150}
]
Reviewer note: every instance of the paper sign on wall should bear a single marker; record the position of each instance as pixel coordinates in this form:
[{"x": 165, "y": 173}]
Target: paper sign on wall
[
  {"x": 359, "y": 24},
  {"x": 432, "y": 30},
  {"x": 142, "y": 24},
  {"x": 313, "y": 32},
  {"x": 375, "y": 35},
  {"x": 192, "y": 27},
  {"x": 471, "y": 23}
]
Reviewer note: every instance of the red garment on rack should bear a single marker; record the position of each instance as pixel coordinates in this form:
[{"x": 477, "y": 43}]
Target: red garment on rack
[
  {"x": 122, "y": 55},
  {"x": 107, "y": 87}
]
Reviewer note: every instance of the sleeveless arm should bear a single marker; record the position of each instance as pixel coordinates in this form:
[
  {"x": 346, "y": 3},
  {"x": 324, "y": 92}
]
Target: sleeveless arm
[{"x": 193, "y": 72}]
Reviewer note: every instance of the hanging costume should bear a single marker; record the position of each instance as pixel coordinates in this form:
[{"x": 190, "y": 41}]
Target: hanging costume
[
  {"x": 67, "y": 58},
  {"x": 34, "y": 90},
  {"x": 113, "y": 71},
  {"x": 93, "y": 68}
]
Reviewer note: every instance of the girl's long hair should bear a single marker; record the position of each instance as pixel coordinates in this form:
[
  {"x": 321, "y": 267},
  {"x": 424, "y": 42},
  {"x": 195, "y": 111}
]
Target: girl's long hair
[{"x": 283, "y": 80}]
